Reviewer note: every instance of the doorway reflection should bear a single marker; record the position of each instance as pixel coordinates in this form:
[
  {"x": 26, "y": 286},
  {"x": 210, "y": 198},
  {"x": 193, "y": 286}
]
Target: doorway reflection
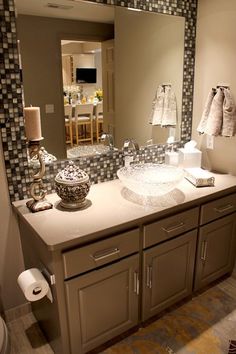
[{"x": 83, "y": 97}]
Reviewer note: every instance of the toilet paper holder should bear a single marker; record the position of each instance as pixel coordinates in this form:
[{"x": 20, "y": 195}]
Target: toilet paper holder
[
  {"x": 36, "y": 283},
  {"x": 51, "y": 280},
  {"x": 50, "y": 277}
]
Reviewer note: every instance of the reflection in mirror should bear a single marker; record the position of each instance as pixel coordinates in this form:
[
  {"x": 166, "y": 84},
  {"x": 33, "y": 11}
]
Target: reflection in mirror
[
  {"x": 146, "y": 57},
  {"x": 149, "y": 55},
  {"x": 84, "y": 70},
  {"x": 82, "y": 90},
  {"x": 40, "y": 47}
]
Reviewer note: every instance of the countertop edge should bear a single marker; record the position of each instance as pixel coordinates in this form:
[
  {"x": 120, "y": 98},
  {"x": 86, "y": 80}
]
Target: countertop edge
[{"x": 136, "y": 222}]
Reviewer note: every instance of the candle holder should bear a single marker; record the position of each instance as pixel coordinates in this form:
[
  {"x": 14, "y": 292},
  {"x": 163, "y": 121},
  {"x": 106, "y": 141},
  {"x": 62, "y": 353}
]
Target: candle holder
[{"x": 37, "y": 192}]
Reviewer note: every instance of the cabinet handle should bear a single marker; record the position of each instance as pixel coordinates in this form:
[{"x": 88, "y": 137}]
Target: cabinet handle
[
  {"x": 136, "y": 283},
  {"x": 149, "y": 277},
  {"x": 224, "y": 208},
  {"x": 105, "y": 253},
  {"x": 204, "y": 250},
  {"x": 173, "y": 228}
]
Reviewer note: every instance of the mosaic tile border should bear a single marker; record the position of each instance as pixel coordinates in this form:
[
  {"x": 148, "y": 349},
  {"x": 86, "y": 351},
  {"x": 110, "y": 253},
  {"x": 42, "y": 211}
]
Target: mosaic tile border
[{"x": 100, "y": 168}]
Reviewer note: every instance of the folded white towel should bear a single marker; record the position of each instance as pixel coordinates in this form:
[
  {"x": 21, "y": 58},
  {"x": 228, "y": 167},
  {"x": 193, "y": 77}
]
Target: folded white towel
[
  {"x": 157, "y": 107},
  {"x": 199, "y": 177},
  {"x": 229, "y": 115},
  {"x": 203, "y": 122},
  {"x": 215, "y": 118},
  {"x": 169, "y": 117}
]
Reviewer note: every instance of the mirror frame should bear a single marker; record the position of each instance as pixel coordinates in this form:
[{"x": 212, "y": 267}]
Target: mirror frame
[{"x": 14, "y": 143}]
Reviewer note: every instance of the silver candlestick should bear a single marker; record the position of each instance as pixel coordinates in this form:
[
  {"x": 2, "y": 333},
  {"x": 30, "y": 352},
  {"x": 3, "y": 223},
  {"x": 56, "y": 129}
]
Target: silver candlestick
[{"x": 37, "y": 191}]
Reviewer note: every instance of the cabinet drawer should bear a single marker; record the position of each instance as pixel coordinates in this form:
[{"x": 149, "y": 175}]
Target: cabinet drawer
[
  {"x": 217, "y": 208},
  {"x": 98, "y": 253},
  {"x": 167, "y": 228}
]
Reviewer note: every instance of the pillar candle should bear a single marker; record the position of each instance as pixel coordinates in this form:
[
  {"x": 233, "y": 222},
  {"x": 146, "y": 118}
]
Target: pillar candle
[{"x": 32, "y": 123}]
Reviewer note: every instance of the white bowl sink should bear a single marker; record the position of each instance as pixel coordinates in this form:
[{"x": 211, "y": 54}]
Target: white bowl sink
[{"x": 150, "y": 179}]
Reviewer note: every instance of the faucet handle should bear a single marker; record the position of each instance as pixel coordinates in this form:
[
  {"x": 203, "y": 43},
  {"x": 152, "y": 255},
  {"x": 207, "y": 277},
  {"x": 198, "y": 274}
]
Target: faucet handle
[
  {"x": 126, "y": 144},
  {"x": 130, "y": 144},
  {"x": 107, "y": 139}
]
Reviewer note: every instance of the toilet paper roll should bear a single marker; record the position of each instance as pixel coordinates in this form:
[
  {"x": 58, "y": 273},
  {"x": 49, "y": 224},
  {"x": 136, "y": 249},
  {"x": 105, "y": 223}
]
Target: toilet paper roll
[{"x": 33, "y": 284}]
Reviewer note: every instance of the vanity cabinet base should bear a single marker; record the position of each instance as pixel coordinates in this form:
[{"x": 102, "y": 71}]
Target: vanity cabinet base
[
  {"x": 102, "y": 304},
  {"x": 216, "y": 250},
  {"x": 168, "y": 273},
  {"x": 95, "y": 287}
]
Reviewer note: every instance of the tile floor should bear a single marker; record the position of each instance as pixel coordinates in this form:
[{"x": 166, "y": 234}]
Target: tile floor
[{"x": 26, "y": 337}]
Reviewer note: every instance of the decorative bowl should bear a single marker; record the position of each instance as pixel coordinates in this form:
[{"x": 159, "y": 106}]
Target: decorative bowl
[
  {"x": 72, "y": 185},
  {"x": 150, "y": 179}
]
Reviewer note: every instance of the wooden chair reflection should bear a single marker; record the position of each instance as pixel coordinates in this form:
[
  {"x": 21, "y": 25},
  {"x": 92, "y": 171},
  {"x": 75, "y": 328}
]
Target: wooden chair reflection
[
  {"x": 99, "y": 119},
  {"x": 83, "y": 119},
  {"x": 68, "y": 124}
]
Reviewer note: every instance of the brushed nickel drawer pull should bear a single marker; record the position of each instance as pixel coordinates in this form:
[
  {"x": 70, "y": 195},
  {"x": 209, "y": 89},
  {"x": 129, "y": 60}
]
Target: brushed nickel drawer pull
[
  {"x": 149, "y": 277},
  {"x": 224, "y": 208},
  {"x": 204, "y": 250},
  {"x": 105, "y": 253},
  {"x": 173, "y": 228},
  {"x": 136, "y": 283}
]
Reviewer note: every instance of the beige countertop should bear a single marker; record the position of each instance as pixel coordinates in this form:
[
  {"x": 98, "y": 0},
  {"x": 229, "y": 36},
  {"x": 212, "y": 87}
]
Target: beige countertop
[{"x": 112, "y": 208}]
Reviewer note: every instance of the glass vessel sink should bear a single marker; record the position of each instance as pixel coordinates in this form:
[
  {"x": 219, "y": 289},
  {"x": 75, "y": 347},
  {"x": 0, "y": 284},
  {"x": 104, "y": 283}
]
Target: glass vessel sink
[{"x": 150, "y": 179}]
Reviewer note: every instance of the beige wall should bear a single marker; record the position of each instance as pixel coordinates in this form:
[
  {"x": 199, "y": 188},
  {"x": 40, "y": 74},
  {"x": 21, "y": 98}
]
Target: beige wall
[
  {"x": 11, "y": 259},
  {"x": 149, "y": 50},
  {"x": 42, "y": 73},
  {"x": 215, "y": 63}
]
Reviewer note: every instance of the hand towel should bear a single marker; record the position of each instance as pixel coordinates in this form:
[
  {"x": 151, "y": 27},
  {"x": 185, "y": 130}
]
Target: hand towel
[
  {"x": 229, "y": 115},
  {"x": 199, "y": 177},
  {"x": 157, "y": 107},
  {"x": 169, "y": 117},
  {"x": 215, "y": 118},
  {"x": 203, "y": 122}
]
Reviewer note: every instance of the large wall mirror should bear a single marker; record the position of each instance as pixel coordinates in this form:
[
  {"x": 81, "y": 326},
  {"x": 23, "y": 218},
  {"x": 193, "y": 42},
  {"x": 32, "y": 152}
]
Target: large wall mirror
[
  {"x": 42, "y": 28},
  {"x": 136, "y": 57}
]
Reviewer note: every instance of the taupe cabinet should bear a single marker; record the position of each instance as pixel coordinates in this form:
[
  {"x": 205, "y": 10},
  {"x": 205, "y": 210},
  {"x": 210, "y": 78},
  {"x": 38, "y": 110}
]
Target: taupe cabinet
[
  {"x": 216, "y": 243},
  {"x": 107, "y": 285},
  {"x": 103, "y": 298},
  {"x": 103, "y": 304},
  {"x": 168, "y": 273}
]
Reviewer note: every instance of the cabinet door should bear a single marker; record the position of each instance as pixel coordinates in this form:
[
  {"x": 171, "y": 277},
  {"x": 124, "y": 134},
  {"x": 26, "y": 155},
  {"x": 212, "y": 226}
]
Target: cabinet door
[
  {"x": 216, "y": 250},
  {"x": 102, "y": 304},
  {"x": 168, "y": 273}
]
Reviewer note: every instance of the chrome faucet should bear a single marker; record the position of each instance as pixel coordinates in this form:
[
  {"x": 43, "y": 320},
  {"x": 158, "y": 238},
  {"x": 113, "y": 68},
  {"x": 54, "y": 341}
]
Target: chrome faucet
[
  {"x": 130, "y": 146},
  {"x": 107, "y": 139}
]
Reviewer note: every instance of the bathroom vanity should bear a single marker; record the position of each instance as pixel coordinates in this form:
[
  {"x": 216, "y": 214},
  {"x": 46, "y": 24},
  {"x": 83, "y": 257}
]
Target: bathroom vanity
[{"x": 116, "y": 263}]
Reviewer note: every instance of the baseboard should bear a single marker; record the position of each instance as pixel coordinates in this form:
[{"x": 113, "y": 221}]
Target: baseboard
[{"x": 16, "y": 312}]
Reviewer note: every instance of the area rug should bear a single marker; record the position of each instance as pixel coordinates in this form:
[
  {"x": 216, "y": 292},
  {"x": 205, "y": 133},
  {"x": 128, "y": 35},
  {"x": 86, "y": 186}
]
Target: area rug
[{"x": 204, "y": 325}]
